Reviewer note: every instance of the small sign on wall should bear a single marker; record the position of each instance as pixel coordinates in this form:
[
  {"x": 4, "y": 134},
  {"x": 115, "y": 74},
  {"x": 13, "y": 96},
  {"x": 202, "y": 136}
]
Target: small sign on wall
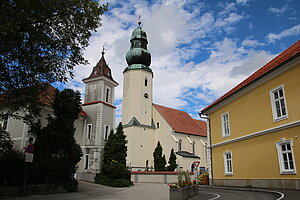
[{"x": 29, "y": 157}]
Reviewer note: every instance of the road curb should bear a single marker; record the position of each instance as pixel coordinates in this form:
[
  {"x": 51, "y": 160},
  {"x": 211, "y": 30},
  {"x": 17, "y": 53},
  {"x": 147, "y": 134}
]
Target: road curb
[{"x": 245, "y": 189}]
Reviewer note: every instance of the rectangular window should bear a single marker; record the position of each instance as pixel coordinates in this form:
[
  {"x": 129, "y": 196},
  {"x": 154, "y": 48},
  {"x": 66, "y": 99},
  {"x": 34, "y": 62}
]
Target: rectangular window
[
  {"x": 89, "y": 131},
  {"x": 4, "y": 122},
  {"x": 157, "y": 125},
  {"x": 278, "y": 102},
  {"x": 107, "y": 95},
  {"x": 106, "y": 132},
  {"x": 225, "y": 125},
  {"x": 286, "y": 156},
  {"x": 146, "y": 82},
  {"x": 86, "y": 161},
  {"x": 228, "y": 163}
]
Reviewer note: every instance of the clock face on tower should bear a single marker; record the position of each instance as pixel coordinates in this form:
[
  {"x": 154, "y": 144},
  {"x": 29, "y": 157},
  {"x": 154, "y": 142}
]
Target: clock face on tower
[{"x": 146, "y": 95}]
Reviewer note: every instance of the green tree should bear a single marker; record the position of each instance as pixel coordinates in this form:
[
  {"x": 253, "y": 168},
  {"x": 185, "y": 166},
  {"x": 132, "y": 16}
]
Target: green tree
[
  {"x": 114, "y": 171},
  {"x": 159, "y": 159},
  {"x": 57, "y": 152},
  {"x": 172, "y": 161},
  {"x": 40, "y": 42},
  {"x": 6, "y": 144}
]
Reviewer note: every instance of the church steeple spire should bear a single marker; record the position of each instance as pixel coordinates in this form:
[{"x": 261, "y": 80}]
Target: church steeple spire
[
  {"x": 101, "y": 69},
  {"x": 138, "y": 57}
]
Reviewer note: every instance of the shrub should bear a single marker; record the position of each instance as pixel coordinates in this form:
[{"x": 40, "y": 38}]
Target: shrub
[
  {"x": 112, "y": 182},
  {"x": 71, "y": 185},
  {"x": 12, "y": 168}
]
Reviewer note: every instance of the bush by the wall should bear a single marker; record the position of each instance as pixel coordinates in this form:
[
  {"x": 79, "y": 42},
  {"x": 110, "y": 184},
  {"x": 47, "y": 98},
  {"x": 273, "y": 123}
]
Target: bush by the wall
[{"x": 112, "y": 182}]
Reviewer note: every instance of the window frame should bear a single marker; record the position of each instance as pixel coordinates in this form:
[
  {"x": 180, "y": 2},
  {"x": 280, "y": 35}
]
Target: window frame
[
  {"x": 89, "y": 131},
  {"x": 226, "y": 171},
  {"x": 224, "y": 135},
  {"x": 180, "y": 145},
  {"x": 86, "y": 162},
  {"x": 4, "y": 120},
  {"x": 281, "y": 159},
  {"x": 107, "y": 94},
  {"x": 106, "y": 134},
  {"x": 273, "y": 104}
]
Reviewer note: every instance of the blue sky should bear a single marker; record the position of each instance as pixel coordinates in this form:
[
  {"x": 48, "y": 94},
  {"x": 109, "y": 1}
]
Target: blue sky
[{"x": 199, "y": 49}]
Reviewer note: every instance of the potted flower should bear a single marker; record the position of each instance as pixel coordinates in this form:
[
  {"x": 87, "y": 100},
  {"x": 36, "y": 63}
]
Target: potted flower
[{"x": 178, "y": 193}]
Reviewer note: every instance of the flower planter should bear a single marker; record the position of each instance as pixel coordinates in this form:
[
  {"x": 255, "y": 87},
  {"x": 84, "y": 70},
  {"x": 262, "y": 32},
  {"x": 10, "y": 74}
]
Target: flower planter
[
  {"x": 191, "y": 191},
  {"x": 179, "y": 194}
]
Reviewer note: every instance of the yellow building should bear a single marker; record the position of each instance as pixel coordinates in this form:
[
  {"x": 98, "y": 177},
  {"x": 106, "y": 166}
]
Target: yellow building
[{"x": 254, "y": 129}]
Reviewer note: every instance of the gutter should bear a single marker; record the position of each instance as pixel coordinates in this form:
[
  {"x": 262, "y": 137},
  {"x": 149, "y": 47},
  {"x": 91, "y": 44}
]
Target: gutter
[{"x": 206, "y": 116}]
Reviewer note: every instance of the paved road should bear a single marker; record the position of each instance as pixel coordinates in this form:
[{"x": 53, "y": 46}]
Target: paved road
[
  {"x": 148, "y": 191},
  {"x": 219, "y": 194}
]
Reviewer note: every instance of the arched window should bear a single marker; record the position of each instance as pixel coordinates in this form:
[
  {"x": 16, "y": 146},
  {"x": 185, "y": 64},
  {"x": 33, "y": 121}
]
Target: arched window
[
  {"x": 179, "y": 145},
  {"x": 194, "y": 147}
]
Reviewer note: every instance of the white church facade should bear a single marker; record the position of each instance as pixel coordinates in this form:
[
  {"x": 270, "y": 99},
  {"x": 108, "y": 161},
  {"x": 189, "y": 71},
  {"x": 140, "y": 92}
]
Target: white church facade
[
  {"x": 146, "y": 123},
  {"x": 96, "y": 120}
]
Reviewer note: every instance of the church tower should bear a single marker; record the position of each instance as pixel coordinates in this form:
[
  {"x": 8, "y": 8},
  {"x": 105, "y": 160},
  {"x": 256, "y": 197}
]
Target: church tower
[
  {"x": 137, "y": 87},
  {"x": 100, "y": 110}
]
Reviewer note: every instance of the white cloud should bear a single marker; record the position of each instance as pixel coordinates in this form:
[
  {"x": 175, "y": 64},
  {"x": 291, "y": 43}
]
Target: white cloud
[
  {"x": 175, "y": 36},
  {"x": 280, "y": 11},
  {"x": 242, "y": 2},
  {"x": 295, "y": 30},
  {"x": 251, "y": 43}
]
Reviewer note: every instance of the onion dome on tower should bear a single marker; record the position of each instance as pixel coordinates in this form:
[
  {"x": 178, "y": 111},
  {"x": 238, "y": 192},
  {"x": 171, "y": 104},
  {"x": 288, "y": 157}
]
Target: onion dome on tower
[{"x": 138, "y": 57}]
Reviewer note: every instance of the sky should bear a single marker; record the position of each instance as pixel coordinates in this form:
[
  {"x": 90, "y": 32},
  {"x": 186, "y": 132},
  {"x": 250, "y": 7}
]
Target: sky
[{"x": 199, "y": 49}]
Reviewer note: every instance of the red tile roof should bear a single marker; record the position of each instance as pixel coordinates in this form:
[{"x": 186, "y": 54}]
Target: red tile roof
[
  {"x": 279, "y": 61},
  {"x": 181, "y": 122},
  {"x": 47, "y": 98}
]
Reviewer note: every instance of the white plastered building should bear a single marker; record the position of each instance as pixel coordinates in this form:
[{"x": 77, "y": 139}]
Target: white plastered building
[{"x": 146, "y": 123}]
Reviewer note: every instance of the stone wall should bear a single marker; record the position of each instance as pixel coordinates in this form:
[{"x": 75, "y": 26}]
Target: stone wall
[{"x": 156, "y": 177}]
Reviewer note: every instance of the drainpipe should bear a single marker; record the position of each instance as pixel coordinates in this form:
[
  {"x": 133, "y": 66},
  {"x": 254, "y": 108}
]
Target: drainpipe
[{"x": 210, "y": 169}]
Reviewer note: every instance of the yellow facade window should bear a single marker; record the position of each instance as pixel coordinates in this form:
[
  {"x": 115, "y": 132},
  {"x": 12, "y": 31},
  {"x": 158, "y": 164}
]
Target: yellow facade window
[
  {"x": 228, "y": 163},
  {"x": 278, "y": 102},
  {"x": 286, "y": 157},
  {"x": 225, "y": 125}
]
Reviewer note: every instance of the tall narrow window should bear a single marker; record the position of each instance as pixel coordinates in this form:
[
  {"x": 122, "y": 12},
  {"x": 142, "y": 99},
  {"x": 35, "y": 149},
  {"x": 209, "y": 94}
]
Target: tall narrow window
[
  {"x": 194, "y": 147},
  {"x": 107, "y": 95},
  {"x": 157, "y": 125},
  {"x": 4, "y": 122},
  {"x": 286, "y": 156},
  {"x": 146, "y": 82},
  {"x": 228, "y": 163},
  {"x": 225, "y": 125},
  {"x": 86, "y": 161},
  {"x": 278, "y": 103},
  {"x": 179, "y": 145},
  {"x": 89, "y": 131},
  {"x": 106, "y": 132}
]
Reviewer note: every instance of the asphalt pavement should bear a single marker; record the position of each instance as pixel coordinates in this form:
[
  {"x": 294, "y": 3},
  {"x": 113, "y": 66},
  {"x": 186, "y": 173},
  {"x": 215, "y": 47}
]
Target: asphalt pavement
[{"x": 152, "y": 191}]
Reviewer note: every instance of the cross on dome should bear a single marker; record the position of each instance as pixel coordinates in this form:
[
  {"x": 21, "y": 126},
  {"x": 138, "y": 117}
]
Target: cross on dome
[{"x": 139, "y": 20}]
